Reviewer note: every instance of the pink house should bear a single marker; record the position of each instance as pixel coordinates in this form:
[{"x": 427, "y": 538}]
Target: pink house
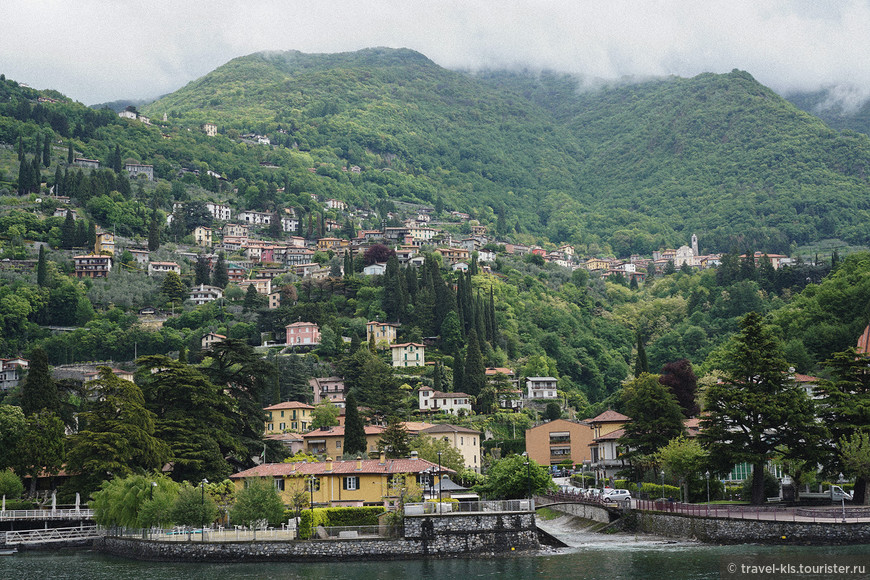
[{"x": 303, "y": 333}]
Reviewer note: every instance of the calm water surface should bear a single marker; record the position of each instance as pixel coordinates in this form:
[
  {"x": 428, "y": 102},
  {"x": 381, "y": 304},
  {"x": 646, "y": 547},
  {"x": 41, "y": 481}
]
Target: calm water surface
[{"x": 592, "y": 556}]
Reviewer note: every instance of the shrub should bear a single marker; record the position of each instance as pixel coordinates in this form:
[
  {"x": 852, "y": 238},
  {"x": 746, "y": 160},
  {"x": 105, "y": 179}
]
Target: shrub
[
  {"x": 349, "y": 516},
  {"x": 10, "y": 485}
]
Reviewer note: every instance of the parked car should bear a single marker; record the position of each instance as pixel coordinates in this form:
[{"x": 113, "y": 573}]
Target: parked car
[{"x": 617, "y": 495}]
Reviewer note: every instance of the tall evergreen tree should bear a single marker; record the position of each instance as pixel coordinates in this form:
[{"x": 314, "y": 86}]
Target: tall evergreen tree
[
  {"x": 354, "y": 430},
  {"x": 68, "y": 231},
  {"x": 436, "y": 376},
  {"x": 58, "y": 181},
  {"x": 39, "y": 392},
  {"x": 641, "y": 365},
  {"x": 757, "y": 409},
  {"x": 69, "y": 153},
  {"x": 35, "y": 174},
  {"x": 46, "y": 151},
  {"x": 474, "y": 375},
  {"x": 82, "y": 237},
  {"x": 91, "y": 236},
  {"x": 202, "y": 271},
  {"x": 656, "y": 417},
  {"x": 41, "y": 269},
  {"x": 154, "y": 231},
  {"x": 220, "y": 276},
  {"x": 115, "y": 161}
]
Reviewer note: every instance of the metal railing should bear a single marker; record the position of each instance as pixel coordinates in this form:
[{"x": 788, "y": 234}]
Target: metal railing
[
  {"x": 482, "y": 506},
  {"x": 49, "y": 514},
  {"x": 243, "y": 534},
  {"x": 760, "y": 513},
  {"x": 51, "y": 535}
]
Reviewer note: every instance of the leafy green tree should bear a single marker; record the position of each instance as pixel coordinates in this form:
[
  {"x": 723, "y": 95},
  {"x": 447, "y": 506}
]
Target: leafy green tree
[
  {"x": 855, "y": 455},
  {"x": 10, "y": 485},
  {"x": 513, "y": 477},
  {"x": 121, "y": 501},
  {"x": 13, "y": 428},
  {"x": 42, "y": 447},
  {"x": 683, "y": 458},
  {"x": 258, "y": 502},
  {"x": 428, "y": 447},
  {"x": 194, "y": 507},
  {"x": 324, "y": 415},
  {"x": 116, "y": 436},
  {"x": 553, "y": 411},
  {"x": 395, "y": 439},
  {"x": 354, "y": 429},
  {"x": 39, "y": 392},
  {"x": 756, "y": 410},
  {"x": 656, "y": 417}
]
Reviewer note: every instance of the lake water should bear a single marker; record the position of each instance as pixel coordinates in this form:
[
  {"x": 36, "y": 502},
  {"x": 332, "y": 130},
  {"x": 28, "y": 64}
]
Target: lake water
[{"x": 592, "y": 556}]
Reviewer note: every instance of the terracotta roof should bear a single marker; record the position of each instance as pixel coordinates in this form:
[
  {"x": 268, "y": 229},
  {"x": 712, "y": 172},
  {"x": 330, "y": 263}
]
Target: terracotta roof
[
  {"x": 611, "y": 436},
  {"x": 864, "y": 342},
  {"x": 496, "y": 370},
  {"x": 416, "y": 426},
  {"x": 284, "y": 437},
  {"x": 447, "y": 428},
  {"x": 301, "y": 324},
  {"x": 610, "y": 416},
  {"x": 407, "y": 344},
  {"x": 440, "y": 395},
  {"x": 302, "y": 469},
  {"x": 799, "y": 378},
  {"x": 338, "y": 431},
  {"x": 288, "y": 405}
]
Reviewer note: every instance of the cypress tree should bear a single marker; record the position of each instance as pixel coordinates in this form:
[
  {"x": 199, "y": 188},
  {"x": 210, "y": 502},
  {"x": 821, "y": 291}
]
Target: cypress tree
[
  {"x": 479, "y": 318},
  {"x": 41, "y": 273},
  {"x": 202, "y": 271},
  {"x": 58, "y": 181},
  {"x": 641, "y": 365},
  {"x": 23, "y": 177},
  {"x": 35, "y": 174},
  {"x": 69, "y": 153},
  {"x": 492, "y": 323},
  {"x": 38, "y": 391},
  {"x": 475, "y": 371},
  {"x": 220, "y": 276},
  {"x": 82, "y": 237},
  {"x": 154, "y": 231},
  {"x": 46, "y": 151},
  {"x": 436, "y": 377},
  {"x": 354, "y": 430},
  {"x": 68, "y": 231},
  {"x": 458, "y": 374}
]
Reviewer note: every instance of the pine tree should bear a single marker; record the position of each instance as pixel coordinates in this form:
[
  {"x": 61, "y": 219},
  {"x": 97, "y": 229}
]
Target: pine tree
[
  {"x": 354, "y": 430},
  {"x": 38, "y": 392},
  {"x": 173, "y": 288},
  {"x": 41, "y": 271}
]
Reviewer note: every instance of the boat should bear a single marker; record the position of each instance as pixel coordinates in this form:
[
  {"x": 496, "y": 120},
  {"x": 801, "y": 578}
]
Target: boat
[{"x": 8, "y": 551}]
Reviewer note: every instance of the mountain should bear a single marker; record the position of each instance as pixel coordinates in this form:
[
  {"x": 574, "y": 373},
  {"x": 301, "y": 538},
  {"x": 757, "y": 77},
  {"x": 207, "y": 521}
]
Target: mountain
[
  {"x": 840, "y": 108},
  {"x": 634, "y": 165}
]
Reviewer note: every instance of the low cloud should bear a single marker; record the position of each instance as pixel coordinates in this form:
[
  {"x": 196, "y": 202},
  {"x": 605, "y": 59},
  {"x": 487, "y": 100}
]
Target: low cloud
[{"x": 96, "y": 51}]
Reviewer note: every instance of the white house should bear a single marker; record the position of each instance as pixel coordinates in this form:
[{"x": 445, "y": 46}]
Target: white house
[
  {"x": 432, "y": 400},
  {"x": 162, "y": 268},
  {"x": 375, "y": 269},
  {"x": 201, "y": 294},
  {"x": 409, "y": 354},
  {"x": 541, "y": 388}
]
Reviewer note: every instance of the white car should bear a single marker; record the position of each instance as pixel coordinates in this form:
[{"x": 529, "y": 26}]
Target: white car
[{"x": 617, "y": 495}]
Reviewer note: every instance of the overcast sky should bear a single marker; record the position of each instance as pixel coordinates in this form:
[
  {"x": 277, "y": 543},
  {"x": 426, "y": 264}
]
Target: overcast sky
[{"x": 97, "y": 51}]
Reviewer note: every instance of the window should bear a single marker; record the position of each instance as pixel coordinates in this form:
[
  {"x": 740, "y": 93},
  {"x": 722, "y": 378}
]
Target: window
[
  {"x": 282, "y": 426},
  {"x": 282, "y": 413},
  {"x": 462, "y": 440},
  {"x": 279, "y": 483},
  {"x": 338, "y": 444},
  {"x": 351, "y": 483},
  {"x": 293, "y": 426}
]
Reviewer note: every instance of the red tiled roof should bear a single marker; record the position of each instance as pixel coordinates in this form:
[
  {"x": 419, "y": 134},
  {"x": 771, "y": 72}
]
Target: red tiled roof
[
  {"x": 338, "y": 431},
  {"x": 288, "y": 405},
  {"x": 447, "y": 428},
  {"x": 496, "y": 370},
  {"x": 610, "y": 416},
  {"x": 302, "y": 469},
  {"x": 407, "y": 344},
  {"x": 864, "y": 342},
  {"x": 799, "y": 378}
]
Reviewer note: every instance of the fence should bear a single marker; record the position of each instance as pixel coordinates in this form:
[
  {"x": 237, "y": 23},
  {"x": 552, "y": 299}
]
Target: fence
[
  {"x": 243, "y": 534},
  {"x": 72, "y": 514},
  {"x": 744, "y": 512},
  {"x": 483, "y": 506}
]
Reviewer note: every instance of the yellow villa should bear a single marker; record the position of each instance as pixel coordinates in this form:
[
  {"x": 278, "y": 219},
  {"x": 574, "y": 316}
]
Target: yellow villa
[
  {"x": 288, "y": 416},
  {"x": 359, "y": 482}
]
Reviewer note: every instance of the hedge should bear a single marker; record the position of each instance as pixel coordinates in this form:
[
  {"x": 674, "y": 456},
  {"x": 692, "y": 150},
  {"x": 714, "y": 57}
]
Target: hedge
[{"x": 337, "y": 516}]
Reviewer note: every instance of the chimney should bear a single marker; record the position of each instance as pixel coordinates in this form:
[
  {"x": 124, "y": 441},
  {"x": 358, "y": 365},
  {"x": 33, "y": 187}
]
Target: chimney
[
  {"x": 358, "y": 463},
  {"x": 329, "y": 464},
  {"x": 382, "y": 459},
  {"x": 413, "y": 456}
]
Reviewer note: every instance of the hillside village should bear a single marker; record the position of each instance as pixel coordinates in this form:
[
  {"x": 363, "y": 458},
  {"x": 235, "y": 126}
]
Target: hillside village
[{"x": 261, "y": 330}]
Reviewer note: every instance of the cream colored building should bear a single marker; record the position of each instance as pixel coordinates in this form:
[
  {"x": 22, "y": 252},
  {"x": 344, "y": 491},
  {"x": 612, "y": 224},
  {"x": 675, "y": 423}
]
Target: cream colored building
[
  {"x": 409, "y": 354},
  {"x": 384, "y": 332},
  {"x": 467, "y": 441}
]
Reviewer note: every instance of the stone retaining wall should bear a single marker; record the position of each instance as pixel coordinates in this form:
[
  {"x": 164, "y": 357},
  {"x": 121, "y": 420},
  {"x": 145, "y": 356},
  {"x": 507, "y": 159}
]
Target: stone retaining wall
[
  {"x": 585, "y": 511},
  {"x": 733, "y": 531},
  {"x": 427, "y": 535}
]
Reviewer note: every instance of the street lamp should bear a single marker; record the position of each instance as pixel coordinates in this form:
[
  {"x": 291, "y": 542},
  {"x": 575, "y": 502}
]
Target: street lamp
[
  {"x": 528, "y": 473},
  {"x": 663, "y": 485},
  {"x": 153, "y": 485},
  {"x": 707, "y": 475},
  {"x": 202, "y": 508},
  {"x": 439, "y": 482},
  {"x": 312, "y": 479}
]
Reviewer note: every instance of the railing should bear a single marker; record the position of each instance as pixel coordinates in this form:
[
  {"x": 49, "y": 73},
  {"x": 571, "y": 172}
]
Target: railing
[
  {"x": 483, "y": 506},
  {"x": 760, "y": 513},
  {"x": 72, "y": 514},
  {"x": 243, "y": 534},
  {"x": 51, "y": 535}
]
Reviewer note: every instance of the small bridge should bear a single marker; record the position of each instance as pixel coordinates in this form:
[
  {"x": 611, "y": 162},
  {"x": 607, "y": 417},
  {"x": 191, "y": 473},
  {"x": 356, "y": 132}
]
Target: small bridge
[
  {"x": 52, "y": 535},
  {"x": 566, "y": 498}
]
